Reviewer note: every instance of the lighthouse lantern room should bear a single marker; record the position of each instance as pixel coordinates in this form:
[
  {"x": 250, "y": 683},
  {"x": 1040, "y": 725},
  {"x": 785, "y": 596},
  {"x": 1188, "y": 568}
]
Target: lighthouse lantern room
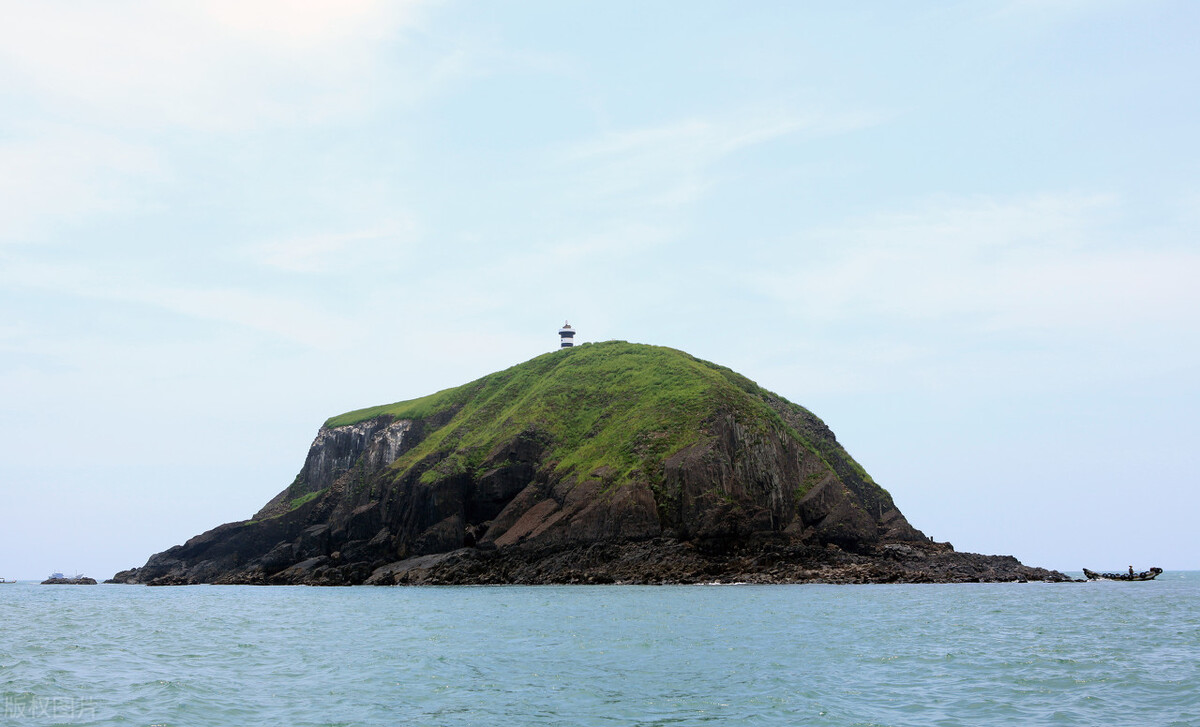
[{"x": 567, "y": 335}]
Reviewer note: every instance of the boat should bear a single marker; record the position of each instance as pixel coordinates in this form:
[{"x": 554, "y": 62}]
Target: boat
[
  {"x": 7, "y": 580},
  {"x": 1146, "y": 575}
]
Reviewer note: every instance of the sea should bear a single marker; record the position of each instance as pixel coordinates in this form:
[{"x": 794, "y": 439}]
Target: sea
[{"x": 970, "y": 654}]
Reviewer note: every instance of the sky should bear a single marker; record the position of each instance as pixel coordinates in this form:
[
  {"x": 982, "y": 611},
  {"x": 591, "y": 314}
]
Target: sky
[{"x": 965, "y": 234}]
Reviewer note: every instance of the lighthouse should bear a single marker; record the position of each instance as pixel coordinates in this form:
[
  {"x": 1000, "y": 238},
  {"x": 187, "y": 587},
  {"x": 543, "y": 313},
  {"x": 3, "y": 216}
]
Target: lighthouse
[{"x": 567, "y": 335}]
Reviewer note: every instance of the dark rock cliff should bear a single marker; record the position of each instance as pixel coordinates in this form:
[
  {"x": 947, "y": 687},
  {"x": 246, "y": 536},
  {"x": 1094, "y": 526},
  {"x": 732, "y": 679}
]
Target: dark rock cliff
[{"x": 607, "y": 463}]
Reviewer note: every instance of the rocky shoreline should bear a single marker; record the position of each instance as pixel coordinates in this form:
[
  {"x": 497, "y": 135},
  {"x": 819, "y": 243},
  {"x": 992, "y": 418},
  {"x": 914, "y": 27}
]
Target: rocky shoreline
[{"x": 659, "y": 561}]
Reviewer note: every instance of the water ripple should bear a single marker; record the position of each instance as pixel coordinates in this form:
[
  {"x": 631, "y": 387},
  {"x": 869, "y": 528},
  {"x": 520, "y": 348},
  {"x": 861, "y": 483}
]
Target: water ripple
[{"x": 756, "y": 655}]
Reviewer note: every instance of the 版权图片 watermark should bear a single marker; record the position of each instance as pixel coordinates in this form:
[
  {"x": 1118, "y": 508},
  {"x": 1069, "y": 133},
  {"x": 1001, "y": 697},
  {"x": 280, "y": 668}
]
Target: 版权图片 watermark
[{"x": 64, "y": 709}]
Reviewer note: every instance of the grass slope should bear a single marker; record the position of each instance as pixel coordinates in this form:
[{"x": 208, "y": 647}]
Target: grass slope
[{"x": 615, "y": 407}]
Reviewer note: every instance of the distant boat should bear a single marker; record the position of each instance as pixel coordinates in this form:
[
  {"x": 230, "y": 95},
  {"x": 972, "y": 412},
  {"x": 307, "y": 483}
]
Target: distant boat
[
  {"x": 7, "y": 580},
  {"x": 1146, "y": 575}
]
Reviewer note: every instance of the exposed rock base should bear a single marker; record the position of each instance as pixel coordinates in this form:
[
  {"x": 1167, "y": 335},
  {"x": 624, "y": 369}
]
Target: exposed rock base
[{"x": 653, "y": 562}]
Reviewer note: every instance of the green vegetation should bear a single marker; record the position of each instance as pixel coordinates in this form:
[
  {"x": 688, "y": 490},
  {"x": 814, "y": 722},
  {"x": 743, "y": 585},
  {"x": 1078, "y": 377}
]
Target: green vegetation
[
  {"x": 414, "y": 409},
  {"x": 303, "y": 499},
  {"x": 611, "y": 409}
]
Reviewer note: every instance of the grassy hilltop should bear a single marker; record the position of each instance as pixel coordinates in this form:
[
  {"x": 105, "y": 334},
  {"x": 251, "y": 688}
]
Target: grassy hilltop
[{"x": 614, "y": 407}]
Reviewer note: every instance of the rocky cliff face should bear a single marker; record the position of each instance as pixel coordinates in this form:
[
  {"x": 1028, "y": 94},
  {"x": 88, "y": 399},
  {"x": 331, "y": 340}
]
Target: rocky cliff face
[
  {"x": 366, "y": 447},
  {"x": 604, "y": 463}
]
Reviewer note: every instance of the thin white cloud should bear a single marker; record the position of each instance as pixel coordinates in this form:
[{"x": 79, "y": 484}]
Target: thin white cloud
[
  {"x": 670, "y": 165},
  {"x": 285, "y": 317},
  {"x": 210, "y": 66},
  {"x": 302, "y": 24},
  {"x": 97, "y": 95},
  {"x": 59, "y": 173},
  {"x": 608, "y": 246},
  {"x": 1046, "y": 14},
  {"x": 384, "y": 245},
  {"x": 278, "y": 315},
  {"x": 1043, "y": 263}
]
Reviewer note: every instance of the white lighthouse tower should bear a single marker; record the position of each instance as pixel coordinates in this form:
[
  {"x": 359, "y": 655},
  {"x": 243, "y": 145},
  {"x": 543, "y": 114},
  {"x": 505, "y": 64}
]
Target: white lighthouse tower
[{"x": 567, "y": 335}]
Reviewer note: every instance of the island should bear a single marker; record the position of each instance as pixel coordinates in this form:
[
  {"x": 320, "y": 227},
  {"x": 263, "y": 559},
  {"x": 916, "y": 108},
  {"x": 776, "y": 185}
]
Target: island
[
  {"x": 606, "y": 463},
  {"x": 58, "y": 579}
]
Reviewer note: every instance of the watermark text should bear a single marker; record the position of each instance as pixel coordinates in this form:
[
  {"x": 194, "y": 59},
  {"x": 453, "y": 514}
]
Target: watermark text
[{"x": 63, "y": 709}]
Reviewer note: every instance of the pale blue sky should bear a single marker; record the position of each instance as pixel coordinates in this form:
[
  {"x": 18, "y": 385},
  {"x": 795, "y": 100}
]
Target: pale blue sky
[{"x": 964, "y": 234}]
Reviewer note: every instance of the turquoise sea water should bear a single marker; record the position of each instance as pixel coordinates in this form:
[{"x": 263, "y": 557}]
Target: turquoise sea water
[{"x": 1010, "y": 654}]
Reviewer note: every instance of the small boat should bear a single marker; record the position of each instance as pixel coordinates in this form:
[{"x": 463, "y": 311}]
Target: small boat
[
  {"x": 1146, "y": 575},
  {"x": 7, "y": 580}
]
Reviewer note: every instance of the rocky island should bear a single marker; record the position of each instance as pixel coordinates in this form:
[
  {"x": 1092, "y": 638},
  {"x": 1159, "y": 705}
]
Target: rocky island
[
  {"x": 61, "y": 580},
  {"x": 603, "y": 463}
]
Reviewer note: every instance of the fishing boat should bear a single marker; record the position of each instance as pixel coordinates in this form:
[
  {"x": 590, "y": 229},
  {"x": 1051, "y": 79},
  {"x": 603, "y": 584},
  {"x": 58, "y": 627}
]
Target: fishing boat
[
  {"x": 1146, "y": 575},
  {"x": 7, "y": 580}
]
